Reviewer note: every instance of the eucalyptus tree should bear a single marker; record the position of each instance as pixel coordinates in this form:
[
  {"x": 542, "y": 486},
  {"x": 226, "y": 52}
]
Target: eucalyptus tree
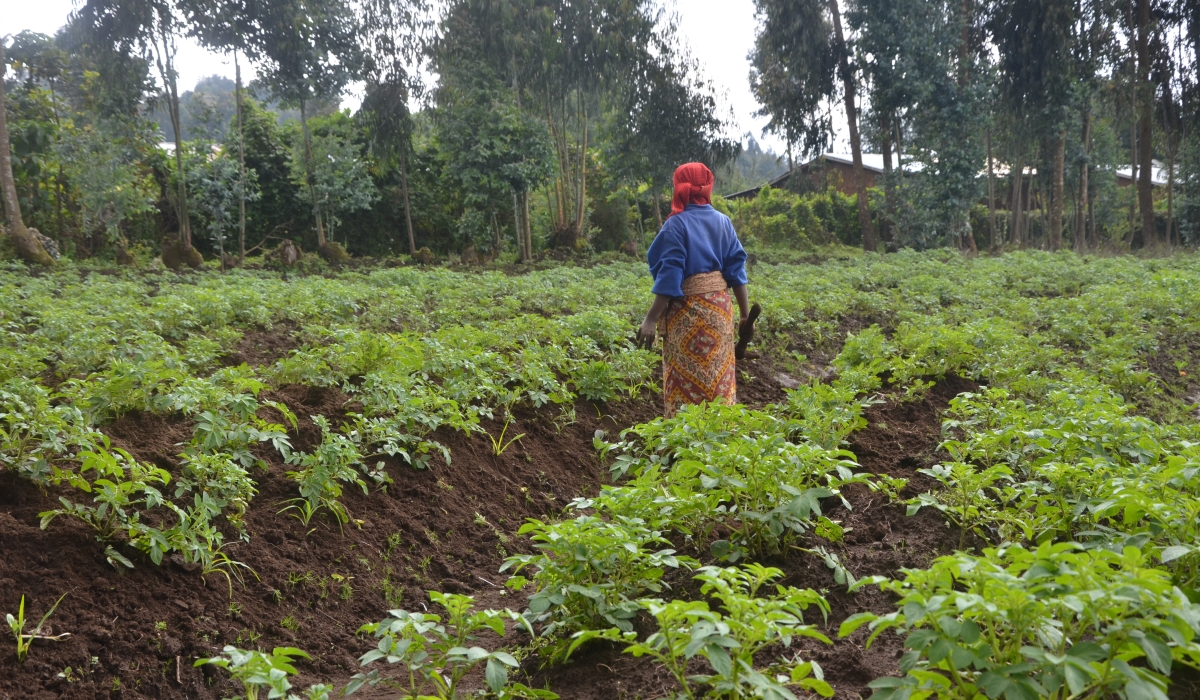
[
  {"x": 666, "y": 114},
  {"x": 792, "y": 74},
  {"x": 148, "y": 28},
  {"x": 493, "y": 150},
  {"x": 1034, "y": 40},
  {"x": 926, "y": 59},
  {"x": 802, "y": 36},
  {"x": 306, "y": 50},
  {"x": 395, "y": 34},
  {"x": 562, "y": 60},
  {"x": 27, "y": 244},
  {"x": 229, "y": 25}
]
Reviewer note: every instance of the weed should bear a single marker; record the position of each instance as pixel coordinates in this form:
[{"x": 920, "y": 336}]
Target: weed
[
  {"x": 17, "y": 625},
  {"x": 289, "y": 623},
  {"x": 498, "y": 444}
]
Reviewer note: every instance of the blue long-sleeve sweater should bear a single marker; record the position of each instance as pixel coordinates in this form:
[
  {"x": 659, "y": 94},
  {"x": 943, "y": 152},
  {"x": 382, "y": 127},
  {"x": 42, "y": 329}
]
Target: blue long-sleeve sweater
[{"x": 698, "y": 239}]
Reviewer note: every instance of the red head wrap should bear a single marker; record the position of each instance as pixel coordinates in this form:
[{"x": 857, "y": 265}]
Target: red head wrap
[{"x": 693, "y": 185}]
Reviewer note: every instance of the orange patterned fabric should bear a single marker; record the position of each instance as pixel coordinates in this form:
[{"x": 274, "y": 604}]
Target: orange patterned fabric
[{"x": 698, "y": 362}]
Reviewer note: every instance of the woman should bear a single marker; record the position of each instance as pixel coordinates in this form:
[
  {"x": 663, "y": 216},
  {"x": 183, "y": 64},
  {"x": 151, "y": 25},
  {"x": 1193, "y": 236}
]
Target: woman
[{"x": 695, "y": 260}]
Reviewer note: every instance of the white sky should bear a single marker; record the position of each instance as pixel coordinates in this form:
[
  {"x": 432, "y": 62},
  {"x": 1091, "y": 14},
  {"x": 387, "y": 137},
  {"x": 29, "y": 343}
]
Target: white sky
[{"x": 720, "y": 33}]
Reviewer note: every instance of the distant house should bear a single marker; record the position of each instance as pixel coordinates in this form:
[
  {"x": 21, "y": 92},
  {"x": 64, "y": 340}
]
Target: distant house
[
  {"x": 1158, "y": 175},
  {"x": 828, "y": 170}
]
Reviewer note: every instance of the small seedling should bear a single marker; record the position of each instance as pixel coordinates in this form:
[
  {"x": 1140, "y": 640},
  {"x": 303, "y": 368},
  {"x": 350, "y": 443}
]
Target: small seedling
[
  {"x": 161, "y": 626},
  {"x": 290, "y": 623},
  {"x": 394, "y": 540},
  {"x": 498, "y": 444},
  {"x": 24, "y": 641}
]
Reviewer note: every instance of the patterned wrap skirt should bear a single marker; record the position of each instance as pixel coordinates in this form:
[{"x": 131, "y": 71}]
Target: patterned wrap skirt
[{"x": 698, "y": 340}]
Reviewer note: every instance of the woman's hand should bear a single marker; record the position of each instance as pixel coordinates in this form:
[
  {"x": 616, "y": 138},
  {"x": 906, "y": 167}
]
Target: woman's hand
[
  {"x": 645, "y": 336},
  {"x": 646, "y": 333}
]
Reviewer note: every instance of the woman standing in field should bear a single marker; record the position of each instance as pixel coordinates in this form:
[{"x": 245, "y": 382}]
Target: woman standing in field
[{"x": 695, "y": 260}]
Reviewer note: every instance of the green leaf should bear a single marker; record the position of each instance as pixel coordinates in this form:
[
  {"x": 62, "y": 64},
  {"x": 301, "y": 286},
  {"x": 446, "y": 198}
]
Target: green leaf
[
  {"x": 720, "y": 660},
  {"x": 1170, "y": 554},
  {"x": 1157, "y": 653},
  {"x": 496, "y": 675},
  {"x": 855, "y": 621}
]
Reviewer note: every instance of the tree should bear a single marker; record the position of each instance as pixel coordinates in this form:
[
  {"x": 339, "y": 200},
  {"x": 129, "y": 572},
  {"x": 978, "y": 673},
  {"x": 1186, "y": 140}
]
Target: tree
[
  {"x": 28, "y": 245},
  {"x": 494, "y": 151},
  {"x": 792, "y": 73},
  {"x": 336, "y": 176},
  {"x": 394, "y": 33},
  {"x": 562, "y": 60},
  {"x": 307, "y": 50},
  {"x": 104, "y": 164},
  {"x": 936, "y": 57},
  {"x": 150, "y": 28},
  {"x": 227, "y": 25},
  {"x": 220, "y": 184},
  {"x": 1035, "y": 43},
  {"x": 665, "y": 115},
  {"x": 796, "y": 41}
]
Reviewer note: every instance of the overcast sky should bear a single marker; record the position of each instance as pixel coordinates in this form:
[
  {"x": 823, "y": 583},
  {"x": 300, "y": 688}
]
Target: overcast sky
[{"x": 719, "y": 33}]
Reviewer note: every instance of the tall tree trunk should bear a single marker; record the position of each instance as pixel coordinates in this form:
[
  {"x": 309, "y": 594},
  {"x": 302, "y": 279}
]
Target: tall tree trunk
[
  {"x": 495, "y": 234},
  {"x": 237, "y": 70},
  {"x": 1133, "y": 182},
  {"x": 849, "y": 88},
  {"x": 166, "y": 66},
  {"x": 308, "y": 175},
  {"x": 1171, "y": 144},
  {"x": 517, "y": 229},
  {"x": 27, "y": 245},
  {"x": 58, "y": 189},
  {"x": 1017, "y": 229},
  {"x": 1145, "y": 184},
  {"x": 528, "y": 226},
  {"x": 1093, "y": 240},
  {"x": 581, "y": 205},
  {"x": 412, "y": 241},
  {"x": 1055, "y": 224},
  {"x": 993, "y": 241},
  {"x": 1081, "y": 238},
  {"x": 889, "y": 187}
]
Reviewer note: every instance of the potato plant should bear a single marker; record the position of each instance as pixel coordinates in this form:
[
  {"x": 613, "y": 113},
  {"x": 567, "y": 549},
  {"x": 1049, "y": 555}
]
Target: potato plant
[{"x": 1058, "y": 621}]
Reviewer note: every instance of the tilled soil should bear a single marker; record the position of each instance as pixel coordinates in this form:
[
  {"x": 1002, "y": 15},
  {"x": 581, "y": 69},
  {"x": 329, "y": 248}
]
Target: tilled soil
[{"x": 134, "y": 633}]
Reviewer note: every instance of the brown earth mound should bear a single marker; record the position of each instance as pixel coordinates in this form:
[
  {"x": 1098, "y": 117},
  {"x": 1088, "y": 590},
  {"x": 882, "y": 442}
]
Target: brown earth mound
[{"x": 136, "y": 632}]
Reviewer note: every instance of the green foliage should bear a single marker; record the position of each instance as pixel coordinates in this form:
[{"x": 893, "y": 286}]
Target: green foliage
[
  {"x": 777, "y": 217},
  {"x": 17, "y": 625},
  {"x": 1055, "y": 621},
  {"x": 258, "y": 671},
  {"x": 104, "y": 162},
  {"x": 339, "y": 181},
  {"x": 432, "y": 655},
  {"x": 318, "y": 475},
  {"x": 731, "y": 639},
  {"x": 589, "y": 572}
]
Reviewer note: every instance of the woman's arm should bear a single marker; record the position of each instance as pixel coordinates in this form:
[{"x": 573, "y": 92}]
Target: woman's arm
[
  {"x": 743, "y": 300},
  {"x": 645, "y": 337}
]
